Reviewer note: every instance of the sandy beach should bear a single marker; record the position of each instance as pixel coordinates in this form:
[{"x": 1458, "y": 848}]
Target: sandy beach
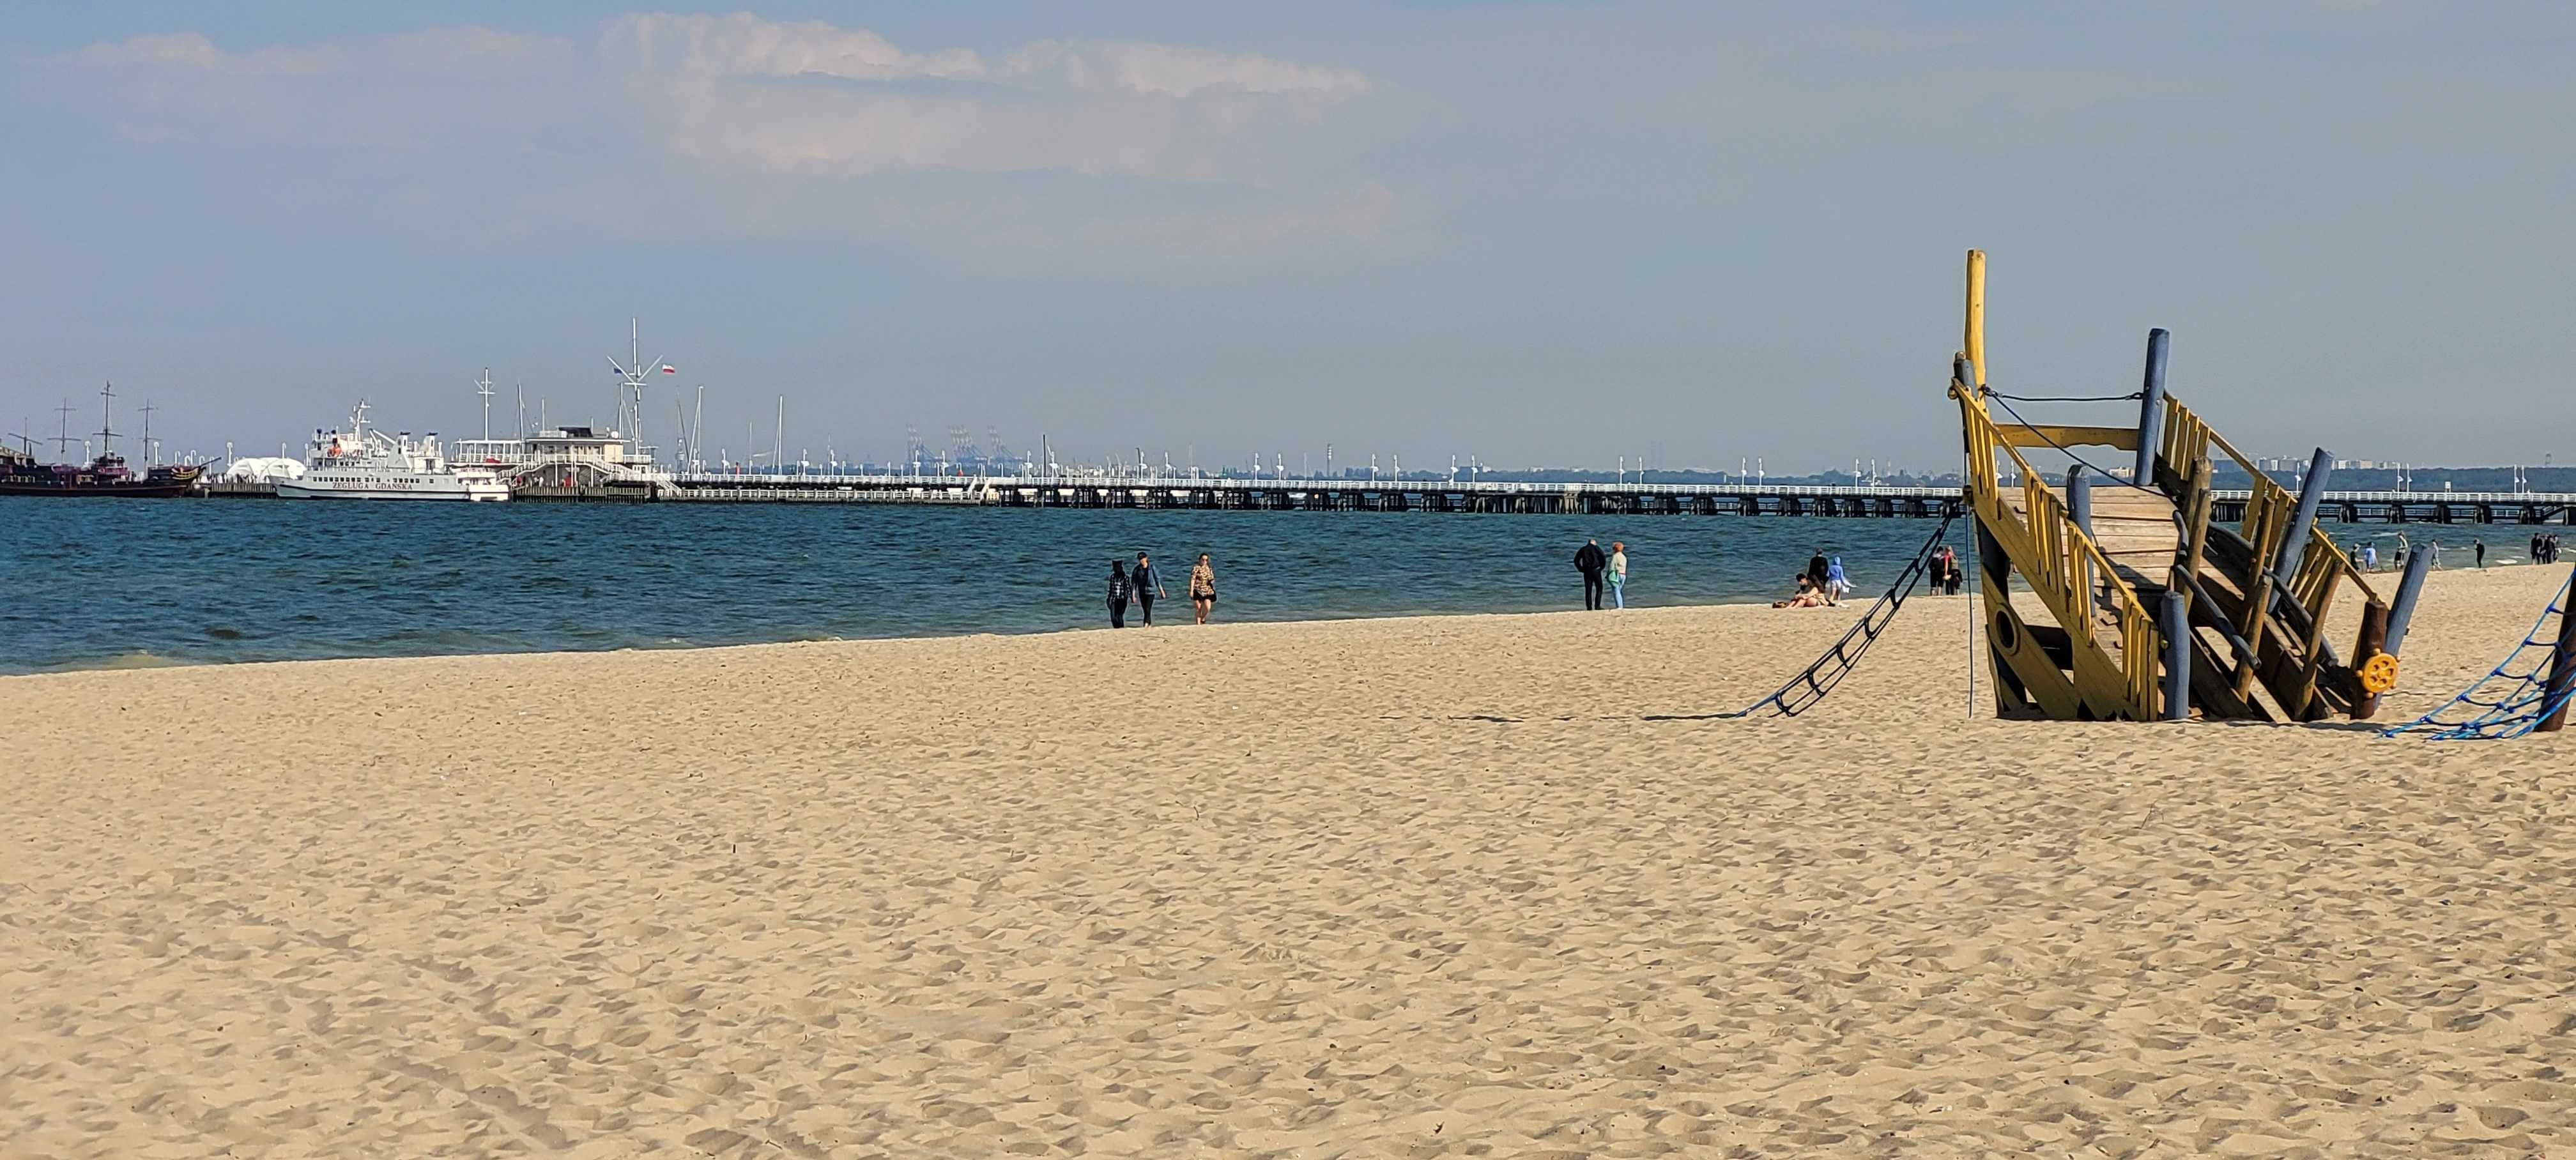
[{"x": 1411, "y": 887}]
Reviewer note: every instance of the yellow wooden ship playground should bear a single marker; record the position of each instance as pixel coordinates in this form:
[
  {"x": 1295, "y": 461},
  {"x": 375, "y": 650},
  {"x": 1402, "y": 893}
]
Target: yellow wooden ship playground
[{"x": 2134, "y": 604}]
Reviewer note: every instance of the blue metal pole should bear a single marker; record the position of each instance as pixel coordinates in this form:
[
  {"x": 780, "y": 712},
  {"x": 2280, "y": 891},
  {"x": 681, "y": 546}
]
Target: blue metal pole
[
  {"x": 2419, "y": 563},
  {"x": 2079, "y": 499},
  {"x": 2177, "y": 629},
  {"x": 2312, "y": 491},
  {"x": 2151, "y": 409}
]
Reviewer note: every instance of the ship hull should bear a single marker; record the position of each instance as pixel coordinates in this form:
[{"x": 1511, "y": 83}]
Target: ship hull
[
  {"x": 101, "y": 490},
  {"x": 417, "y": 487}
]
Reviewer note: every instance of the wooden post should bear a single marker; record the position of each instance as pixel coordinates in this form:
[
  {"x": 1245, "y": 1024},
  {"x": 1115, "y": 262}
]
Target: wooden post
[
  {"x": 1975, "y": 339},
  {"x": 2177, "y": 629},
  {"x": 2151, "y": 409},
  {"x": 2196, "y": 503},
  {"x": 2372, "y": 642},
  {"x": 2562, "y": 668},
  {"x": 2260, "y": 524}
]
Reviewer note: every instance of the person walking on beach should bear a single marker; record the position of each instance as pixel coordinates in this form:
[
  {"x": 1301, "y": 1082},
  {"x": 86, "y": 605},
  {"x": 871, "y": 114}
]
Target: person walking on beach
[
  {"x": 1589, "y": 561},
  {"x": 1148, "y": 585},
  {"x": 2370, "y": 557},
  {"x": 1119, "y": 589},
  {"x": 1618, "y": 574},
  {"x": 1816, "y": 570},
  {"x": 2480, "y": 547},
  {"x": 1203, "y": 588},
  {"x": 1837, "y": 583}
]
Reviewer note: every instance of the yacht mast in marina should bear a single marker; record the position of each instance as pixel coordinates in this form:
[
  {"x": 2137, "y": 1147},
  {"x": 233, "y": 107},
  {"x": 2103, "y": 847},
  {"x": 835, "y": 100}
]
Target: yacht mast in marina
[{"x": 630, "y": 386}]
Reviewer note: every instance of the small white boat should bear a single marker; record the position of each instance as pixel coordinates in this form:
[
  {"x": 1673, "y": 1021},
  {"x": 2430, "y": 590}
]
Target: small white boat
[{"x": 365, "y": 463}]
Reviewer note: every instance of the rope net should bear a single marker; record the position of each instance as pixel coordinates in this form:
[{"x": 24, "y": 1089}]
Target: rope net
[{"x": 2513, "y": 698}]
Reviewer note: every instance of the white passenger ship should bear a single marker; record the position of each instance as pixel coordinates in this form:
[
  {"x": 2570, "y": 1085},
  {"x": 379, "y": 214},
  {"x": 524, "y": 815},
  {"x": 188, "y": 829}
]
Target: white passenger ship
[{"x": 365, "y": 463}]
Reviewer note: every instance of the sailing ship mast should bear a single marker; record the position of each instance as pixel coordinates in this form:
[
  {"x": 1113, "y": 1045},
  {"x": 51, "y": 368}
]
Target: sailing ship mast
[{"x": 107, "y": 397}]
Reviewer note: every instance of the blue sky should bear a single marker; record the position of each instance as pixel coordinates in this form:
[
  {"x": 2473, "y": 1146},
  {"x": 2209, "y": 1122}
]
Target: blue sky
[{"x": 1532, "y": 232}]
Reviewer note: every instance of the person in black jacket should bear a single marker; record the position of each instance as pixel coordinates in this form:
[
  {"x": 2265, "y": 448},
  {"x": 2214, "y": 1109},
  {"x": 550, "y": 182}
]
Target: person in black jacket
[
  {"x": 1589, "y": 561},
  {"x": 1119, "y": 590}
]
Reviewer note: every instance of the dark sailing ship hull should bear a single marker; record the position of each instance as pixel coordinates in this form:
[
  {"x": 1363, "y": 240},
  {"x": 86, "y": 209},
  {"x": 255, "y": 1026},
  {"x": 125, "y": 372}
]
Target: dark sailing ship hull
[{"x": 136, "y": 489}]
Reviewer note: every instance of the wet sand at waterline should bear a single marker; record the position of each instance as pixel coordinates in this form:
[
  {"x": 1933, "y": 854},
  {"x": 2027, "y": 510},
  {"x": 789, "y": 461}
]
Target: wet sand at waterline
[{"x": 1413, "y": 887}]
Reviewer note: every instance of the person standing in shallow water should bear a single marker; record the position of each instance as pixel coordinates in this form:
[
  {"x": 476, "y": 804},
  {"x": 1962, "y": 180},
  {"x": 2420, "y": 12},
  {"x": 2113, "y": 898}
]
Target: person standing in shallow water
[
  {"x": 1589, "y": 561},
  {"x": 1148, "y": 585},
  {"x": 1203, "y": 588}
]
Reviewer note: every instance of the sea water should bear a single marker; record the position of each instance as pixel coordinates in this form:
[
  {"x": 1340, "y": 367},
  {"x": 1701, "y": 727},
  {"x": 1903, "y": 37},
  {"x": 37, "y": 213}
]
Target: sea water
[{"x": 89, "y": 583}]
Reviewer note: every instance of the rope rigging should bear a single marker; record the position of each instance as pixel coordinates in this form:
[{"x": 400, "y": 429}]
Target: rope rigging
[
  {"x": 2511, "y": 700},
  {"x": 2131, "y": 397},
  {"x": 2035, "y": 429}
]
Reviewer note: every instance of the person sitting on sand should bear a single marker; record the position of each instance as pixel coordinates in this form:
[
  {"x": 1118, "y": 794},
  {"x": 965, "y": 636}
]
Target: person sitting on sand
[{"x": 1809, "y": 596}]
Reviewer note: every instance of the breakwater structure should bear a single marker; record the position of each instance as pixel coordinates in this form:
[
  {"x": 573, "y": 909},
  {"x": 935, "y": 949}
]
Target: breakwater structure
[{"x": 1488, "y": 496}]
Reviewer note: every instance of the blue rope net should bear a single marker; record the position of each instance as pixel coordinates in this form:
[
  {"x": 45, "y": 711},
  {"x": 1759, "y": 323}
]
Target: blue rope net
[{"x": 2513, "y": 698}]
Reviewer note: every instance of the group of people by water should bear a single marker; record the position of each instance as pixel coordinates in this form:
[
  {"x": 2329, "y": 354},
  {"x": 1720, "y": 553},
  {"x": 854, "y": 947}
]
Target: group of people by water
[
  {"x": 1142, "y": 584},
  {"x": 1822, "y": 585},
  {"x": 2365, "y": 554},
  {"x": 1599, "y": 569}
]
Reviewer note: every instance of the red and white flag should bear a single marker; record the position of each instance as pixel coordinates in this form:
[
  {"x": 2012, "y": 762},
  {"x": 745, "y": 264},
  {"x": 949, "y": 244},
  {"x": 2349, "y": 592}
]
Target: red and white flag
[{"x": 668, "y": 369}]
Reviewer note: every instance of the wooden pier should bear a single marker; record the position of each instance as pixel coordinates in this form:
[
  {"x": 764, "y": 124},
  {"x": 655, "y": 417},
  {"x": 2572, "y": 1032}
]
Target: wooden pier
[{"x": 1183, "y": 493}]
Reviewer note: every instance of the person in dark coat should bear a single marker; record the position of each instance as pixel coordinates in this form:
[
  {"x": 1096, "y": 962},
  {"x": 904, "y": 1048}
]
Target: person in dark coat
[
  {"x": 1818, "y": 569},
  {"x": 1589, "y": 561},
  {"x": 1120, "y": 588}
]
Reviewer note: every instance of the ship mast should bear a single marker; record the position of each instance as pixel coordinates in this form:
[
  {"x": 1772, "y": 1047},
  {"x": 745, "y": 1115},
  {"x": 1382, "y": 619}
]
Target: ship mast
[
  {"x": 484, "y": 389},
  {"x": 150, "y": 456},
  {"x": 63, "y": 430},
  {"x": 630, "y": 387},
  {"x": 106, "y": 398}
]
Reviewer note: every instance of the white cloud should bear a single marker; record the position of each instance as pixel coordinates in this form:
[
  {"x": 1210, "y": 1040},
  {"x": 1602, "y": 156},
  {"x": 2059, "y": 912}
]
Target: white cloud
[
  {"x": 1267, "y": 229},
  {"x": 789, "y": 128},
  {"x": 443, "y": 48},
  {"x": 742, "y": 45}
]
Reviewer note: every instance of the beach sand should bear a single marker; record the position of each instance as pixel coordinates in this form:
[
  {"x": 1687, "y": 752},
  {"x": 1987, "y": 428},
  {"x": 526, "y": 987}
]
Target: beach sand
[{"x": 1405, "y": 888}]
